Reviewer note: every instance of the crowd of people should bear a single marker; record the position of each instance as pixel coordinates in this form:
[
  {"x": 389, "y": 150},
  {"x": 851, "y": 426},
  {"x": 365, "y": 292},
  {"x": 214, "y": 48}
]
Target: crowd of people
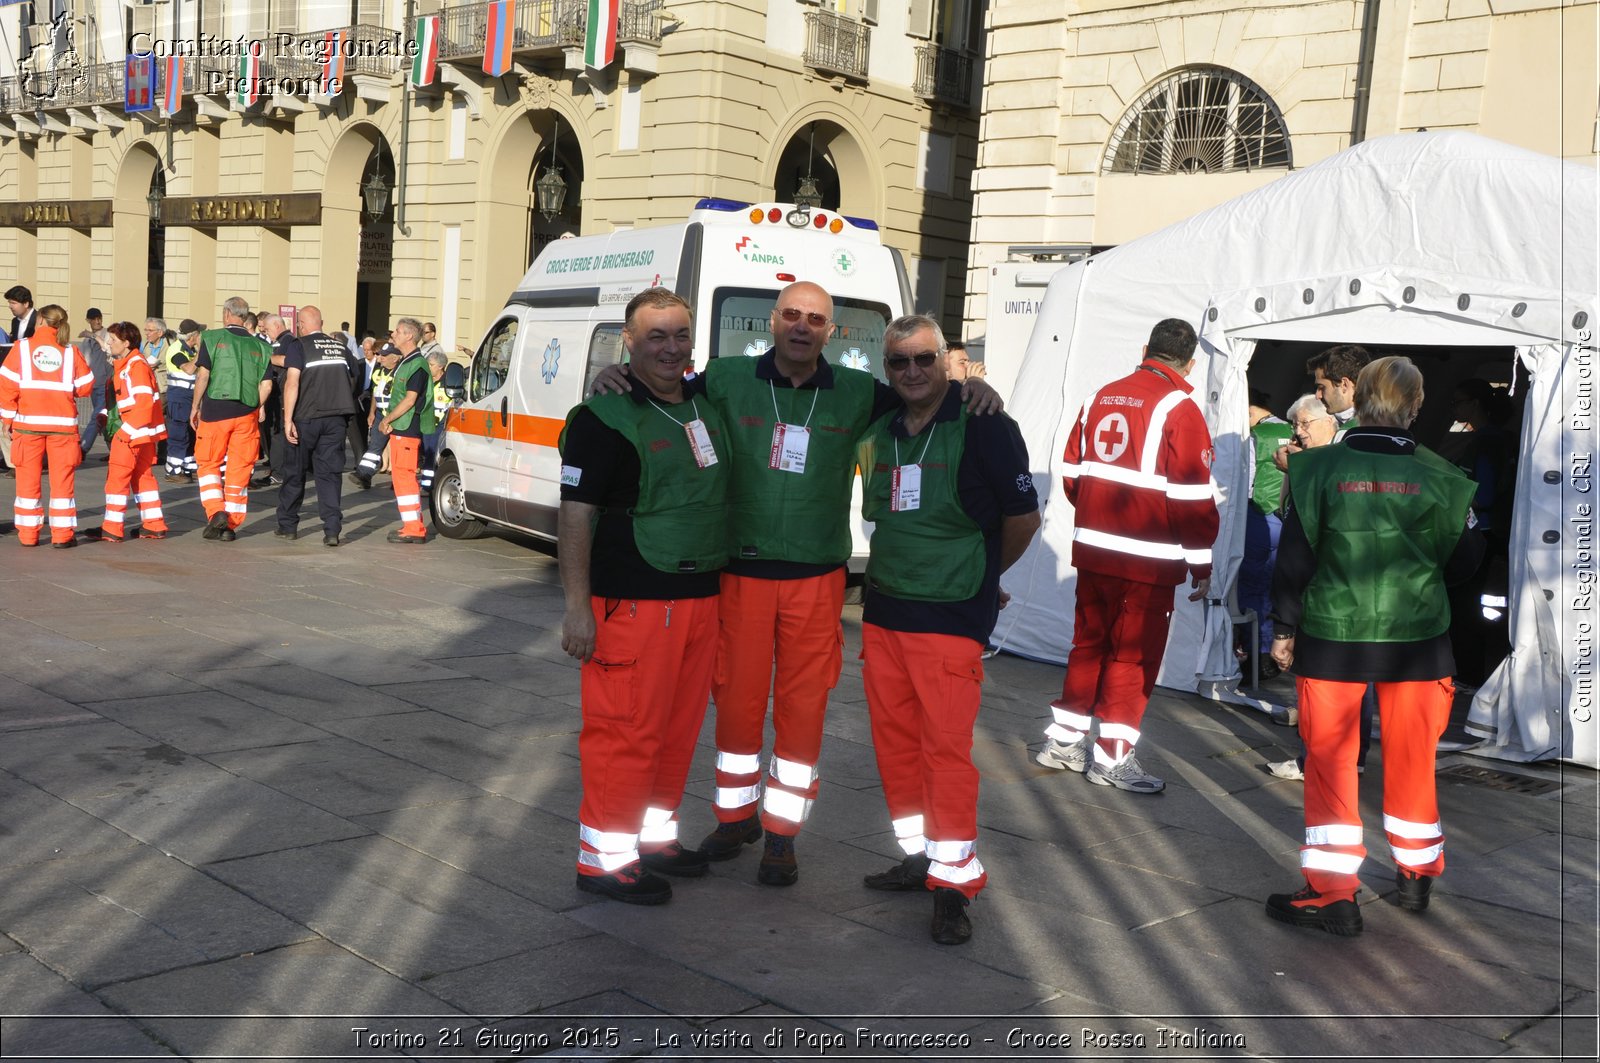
[{"x": 207, "y": 405}]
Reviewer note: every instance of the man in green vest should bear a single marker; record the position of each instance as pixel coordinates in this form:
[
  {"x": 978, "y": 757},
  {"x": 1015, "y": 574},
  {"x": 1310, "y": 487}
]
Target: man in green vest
[
  {"x": 954, "y": 506},
  {"x": 642, "y": 537},
  {"x": 230, "y": 384},
  {"x": 409, "y": 420}
]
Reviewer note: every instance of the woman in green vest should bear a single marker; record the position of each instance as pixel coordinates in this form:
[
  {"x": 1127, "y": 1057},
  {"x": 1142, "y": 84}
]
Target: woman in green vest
[{"x": 1377, "y": 527}]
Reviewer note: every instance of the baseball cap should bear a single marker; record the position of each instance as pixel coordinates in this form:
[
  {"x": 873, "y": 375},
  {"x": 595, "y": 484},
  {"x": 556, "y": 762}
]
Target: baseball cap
[
  {"x": 189, "y": 326},
  {"x": 94, "y": 311}
]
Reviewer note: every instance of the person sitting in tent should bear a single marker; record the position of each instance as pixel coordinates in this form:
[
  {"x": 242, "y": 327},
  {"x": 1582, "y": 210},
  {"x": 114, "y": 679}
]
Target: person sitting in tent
[{"x": 1377, "y": 527}]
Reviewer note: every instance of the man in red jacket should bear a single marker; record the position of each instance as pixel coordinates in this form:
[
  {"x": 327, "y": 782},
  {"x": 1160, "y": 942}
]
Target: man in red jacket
[{"x": 1138, "y": 475}]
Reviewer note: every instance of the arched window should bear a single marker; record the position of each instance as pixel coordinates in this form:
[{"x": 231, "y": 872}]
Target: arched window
[{"x": 1202, "y": 119}]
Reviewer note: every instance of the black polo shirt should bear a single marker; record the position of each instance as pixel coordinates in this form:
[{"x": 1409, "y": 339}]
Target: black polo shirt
[{"x": 993, "y": 482}]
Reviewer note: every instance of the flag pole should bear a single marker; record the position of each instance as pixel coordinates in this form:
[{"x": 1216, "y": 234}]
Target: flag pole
[{"x": 406, "y": 92}]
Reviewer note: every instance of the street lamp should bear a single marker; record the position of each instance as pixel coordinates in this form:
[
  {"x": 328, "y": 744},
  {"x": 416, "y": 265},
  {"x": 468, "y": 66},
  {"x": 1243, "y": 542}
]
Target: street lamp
[
  {"x": 153, "y": 201},
  {"x": 551, "y": 189},
  {"x": 375, "y": 193}
]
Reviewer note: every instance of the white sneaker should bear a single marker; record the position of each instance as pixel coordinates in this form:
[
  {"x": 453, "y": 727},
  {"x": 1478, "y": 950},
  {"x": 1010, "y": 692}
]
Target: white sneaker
[
  {"x": 1287, "y": 769},
  {"x": 1073, "y": 756},
  {"x": 1125, "y": 775}
]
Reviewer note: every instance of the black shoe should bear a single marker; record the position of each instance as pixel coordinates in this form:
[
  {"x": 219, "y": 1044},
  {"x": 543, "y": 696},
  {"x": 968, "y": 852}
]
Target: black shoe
[
  {"x": 216, "y": 526},
  {"x": 729, "y": 839},
  {"x": 677, "y": 861},
  {"x": 65, "y": 544},
  {"x": 1269, "y": 668},
  {"x": 330, "y": 540},
  {"x": 291, "y": 534},
  {"x": 363, "y": 482},
  {"x": 100, "y": 535},
  {"x": 265, "y": 481},
  {"x": 950, "y": 923},
  {"x": 402, "y": 537},
  {"x": 175, "y": 478},
  {"x": 1414, "y": 890},
  {"x": 909, "y": 874},
  {"x": 778, "y": 864},
  {"x": 228, "y": 535},
  {"x": 631, "y": 885},
  {"x": 1342, "y": 918},
  {"x": 145, "y": 533}
]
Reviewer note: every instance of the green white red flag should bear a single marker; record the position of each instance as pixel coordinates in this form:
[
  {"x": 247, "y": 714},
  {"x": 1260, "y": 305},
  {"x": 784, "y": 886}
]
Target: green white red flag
[
  {"x": 600, "y": 33},
  {"x": 425, "y": 67}
]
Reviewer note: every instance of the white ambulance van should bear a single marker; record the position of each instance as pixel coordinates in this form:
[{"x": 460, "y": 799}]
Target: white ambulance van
[{"x": 498, "y": 463}]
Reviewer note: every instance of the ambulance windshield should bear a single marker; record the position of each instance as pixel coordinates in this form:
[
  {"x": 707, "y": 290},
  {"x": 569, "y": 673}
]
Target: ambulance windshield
[{"x": 741, "y": 326}]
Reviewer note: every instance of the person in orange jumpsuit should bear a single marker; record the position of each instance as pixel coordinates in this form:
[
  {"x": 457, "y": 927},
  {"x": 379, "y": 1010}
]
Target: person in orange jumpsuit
[
  {"x": 133, "y": 447},
  {"x": 41, "y": 380},
  {"x": 230, "y": 384}
]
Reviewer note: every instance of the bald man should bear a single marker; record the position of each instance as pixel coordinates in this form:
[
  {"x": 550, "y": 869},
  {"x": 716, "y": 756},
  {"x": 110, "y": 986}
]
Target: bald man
[{"x": 320, "y": 382}]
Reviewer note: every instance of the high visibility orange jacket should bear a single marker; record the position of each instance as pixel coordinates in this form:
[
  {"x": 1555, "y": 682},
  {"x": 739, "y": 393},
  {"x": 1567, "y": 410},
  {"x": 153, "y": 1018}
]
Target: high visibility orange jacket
[
  {"x": 40, "y": 382},
  {"x": 137, "y": 404}
]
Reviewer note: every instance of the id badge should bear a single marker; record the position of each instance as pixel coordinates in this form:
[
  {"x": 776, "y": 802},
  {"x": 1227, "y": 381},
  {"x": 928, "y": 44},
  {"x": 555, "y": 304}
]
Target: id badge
[
  {"x": 790, "y": 444},
  {"x": 906, "y": 488},
  {"x": 705, "y": 455}
]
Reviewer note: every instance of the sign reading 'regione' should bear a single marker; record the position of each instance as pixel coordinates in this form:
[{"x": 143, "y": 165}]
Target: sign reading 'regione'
[{"x": 293, "y": 208}]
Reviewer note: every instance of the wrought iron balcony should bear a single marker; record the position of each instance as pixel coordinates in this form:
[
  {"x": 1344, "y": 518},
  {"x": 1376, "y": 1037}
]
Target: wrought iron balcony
[
  {"x": 541, "y": 25},
  {"x": 944, "y": 75},
  {"x": 641, "y": 21},
  {"x": 836, "y": 44}
]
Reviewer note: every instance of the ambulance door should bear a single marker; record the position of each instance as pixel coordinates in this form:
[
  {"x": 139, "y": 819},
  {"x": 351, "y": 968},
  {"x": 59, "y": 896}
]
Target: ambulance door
[{"x": 481, "y": 425}]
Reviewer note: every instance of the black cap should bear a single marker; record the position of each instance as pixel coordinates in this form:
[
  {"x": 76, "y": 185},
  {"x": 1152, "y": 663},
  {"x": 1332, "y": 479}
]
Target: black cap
[
  {"x": 94, "y": 311},
  {"x": 188, "y": 326},
  {"x": 388, "y": 348}
]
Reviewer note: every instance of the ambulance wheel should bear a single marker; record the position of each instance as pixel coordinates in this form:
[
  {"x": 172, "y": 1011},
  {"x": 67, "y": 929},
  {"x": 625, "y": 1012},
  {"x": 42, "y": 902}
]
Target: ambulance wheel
[{"x": 450, "y": 516}]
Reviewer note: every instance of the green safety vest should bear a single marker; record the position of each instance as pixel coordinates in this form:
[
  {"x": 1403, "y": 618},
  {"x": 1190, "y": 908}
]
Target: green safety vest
[
  {"x": 680, "y": 521},
  {"x": 1382, "y": 527},
  {"x": 1269, "y": 435},
  {"x": 786, "y": 516},
  {"x": 238, "y": 365},
  {"x": 410, "y": 366},
  {"x": 934, "y": 553}
]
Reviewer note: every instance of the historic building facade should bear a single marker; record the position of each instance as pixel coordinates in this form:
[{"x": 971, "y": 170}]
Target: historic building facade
[
  {"x": 1104, "y": 120},
  {"x": 385, "y": 199}
]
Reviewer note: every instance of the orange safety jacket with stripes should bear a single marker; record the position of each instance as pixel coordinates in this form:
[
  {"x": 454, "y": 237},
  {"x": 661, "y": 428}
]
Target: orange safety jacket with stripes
[
  {"x": 1138, "y": 475},
  {"x": 40, "y": 383},
  {"x": 137, "y": 401}
]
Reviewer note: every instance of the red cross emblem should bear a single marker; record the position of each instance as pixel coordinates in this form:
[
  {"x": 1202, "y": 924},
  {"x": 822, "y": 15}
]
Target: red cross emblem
[{"x": 1111, "y": 438}]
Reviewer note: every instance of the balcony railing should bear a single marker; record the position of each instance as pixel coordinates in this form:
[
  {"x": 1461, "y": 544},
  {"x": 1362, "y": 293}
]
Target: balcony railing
[
  {"x": 836, "y": 44},
  {"x": 541, "y": 25},
  {"x": 641, "y": 21},
  {"x": 944, "y": 75}
]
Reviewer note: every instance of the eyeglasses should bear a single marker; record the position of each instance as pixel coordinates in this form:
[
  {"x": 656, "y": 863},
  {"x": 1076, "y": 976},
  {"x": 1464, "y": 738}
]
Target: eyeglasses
[
  {"x": 1308, "y": 423},
  {"x": 792, "y": 314},
  {"x": 898, "y": 362}
]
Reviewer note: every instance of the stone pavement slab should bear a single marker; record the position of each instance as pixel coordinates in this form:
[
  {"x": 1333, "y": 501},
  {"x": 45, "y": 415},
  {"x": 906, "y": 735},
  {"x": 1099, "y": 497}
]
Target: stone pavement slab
[
  {"x": 206, "y": 721},
  {"x": 36, "y": 826},
  {"x": 46, "y": 1015},
  {"x": 342, "y": 777}
]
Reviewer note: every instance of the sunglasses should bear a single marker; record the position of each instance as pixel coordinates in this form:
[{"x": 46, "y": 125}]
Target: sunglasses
[
  {"x": 924, "y": 359},
  {"x": 792, "y": 314}
]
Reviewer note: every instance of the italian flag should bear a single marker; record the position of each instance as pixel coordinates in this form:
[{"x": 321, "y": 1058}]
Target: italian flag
[
  {"x": 425, "y": 67},
  {"x": 248, "y": 89},
  {"x": 600, "y": 33}
]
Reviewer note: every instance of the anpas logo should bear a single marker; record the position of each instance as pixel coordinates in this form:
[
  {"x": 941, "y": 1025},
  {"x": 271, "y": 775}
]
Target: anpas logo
[
  {"x": 751, "y": 252},
  {"x": 48, "y": 359},
  {"x": 552, "y": 361},
  {"x": 53, "y": 69}
]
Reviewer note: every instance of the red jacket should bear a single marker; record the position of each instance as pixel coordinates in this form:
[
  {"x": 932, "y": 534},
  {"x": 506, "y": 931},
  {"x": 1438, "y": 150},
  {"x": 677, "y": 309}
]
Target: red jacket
[
  {"x": 1139, "y": 477},
  {"x": 40, "y": 382},
  {"x": 134, "y": 384}
]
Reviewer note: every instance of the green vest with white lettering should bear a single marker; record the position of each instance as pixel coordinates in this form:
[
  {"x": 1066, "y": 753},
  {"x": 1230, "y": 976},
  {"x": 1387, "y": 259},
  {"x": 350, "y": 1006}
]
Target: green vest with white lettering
[
  {"x": 680, "y": 523},
  {"x": 786, "y": 516},
  {"x": 238, "y": 365},
  {"x": 934, "y": 553},
  {"x": 1382, "y": 527}
]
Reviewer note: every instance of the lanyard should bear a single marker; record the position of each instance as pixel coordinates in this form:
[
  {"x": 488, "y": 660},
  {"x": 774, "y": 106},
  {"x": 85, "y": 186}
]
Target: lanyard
[
  {"x": 669, "y": 416},
  {"x": 774, "y": 389},
  {"x": 926, "y": 443}
]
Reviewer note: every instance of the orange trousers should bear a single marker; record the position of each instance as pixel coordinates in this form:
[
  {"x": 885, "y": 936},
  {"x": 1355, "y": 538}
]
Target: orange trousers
[
  {"x": 28, "y": 454},
  {"x": 644, "y": 695},
  {"x": 923, "y": 692},
  {"x": 236, "y": 440},
  {"x": 404, "y": 455},
  {"x": 129, "y": 470},
  {"x": 778, "y": 638},
  {"x": 1412, "y": 717}
]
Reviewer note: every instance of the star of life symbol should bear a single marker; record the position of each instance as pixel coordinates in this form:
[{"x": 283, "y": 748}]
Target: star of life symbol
[
  {"x": 552, "y": 361},
  {"x": 755, "y": 348},
  {"x": 854, "y": 359},
  {"x": 1024, "y": 482},
  {"x": 1111, "y": 438}
]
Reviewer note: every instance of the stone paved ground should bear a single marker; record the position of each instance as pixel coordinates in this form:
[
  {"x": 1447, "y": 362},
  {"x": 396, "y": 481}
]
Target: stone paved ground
[{"x": 337, "y": 789}]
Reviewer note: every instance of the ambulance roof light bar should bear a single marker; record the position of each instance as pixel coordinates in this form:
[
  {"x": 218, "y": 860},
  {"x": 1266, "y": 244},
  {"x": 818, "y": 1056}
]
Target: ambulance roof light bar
[{"x": 766, "y": 214}]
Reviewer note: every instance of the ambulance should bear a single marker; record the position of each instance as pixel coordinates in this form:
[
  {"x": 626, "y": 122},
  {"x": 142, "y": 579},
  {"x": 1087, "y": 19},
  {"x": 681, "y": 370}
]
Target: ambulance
[{"x": 498, "y": 464}]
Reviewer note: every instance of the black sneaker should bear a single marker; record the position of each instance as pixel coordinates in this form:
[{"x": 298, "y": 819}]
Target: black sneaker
[
  {"x": 65, "y": 544},
  {"x": 1414, "y": 890},
  {"x": 778, "y": 864},
  {"x": 950, "y": 923},
  {"x": 631, "y": 885},
  {"x": 677, "y": 861},
  {"x": 728, "y": 839},
  {"x": 363, "y": 482},
  {"x": 228, "y": 535},
  {"x": 216, "y": 526},
  {"x": 909, "y": 874},
  {"x": 100, "y": 535},
  {"x": 402, "y": 537},
  {"x": 290, "y": 533},
  {"x": 1342, "y": 918},
  {"x": 330, "y": 539}
]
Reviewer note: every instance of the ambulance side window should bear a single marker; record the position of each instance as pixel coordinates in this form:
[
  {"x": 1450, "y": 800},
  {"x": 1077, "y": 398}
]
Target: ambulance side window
[
  {"x": 605, "y": 348},
  {"x": 491, "y": 366}
]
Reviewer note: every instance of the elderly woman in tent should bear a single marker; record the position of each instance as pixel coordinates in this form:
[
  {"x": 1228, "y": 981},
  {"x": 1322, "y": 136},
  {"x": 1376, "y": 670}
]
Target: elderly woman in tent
[{"x": 1378, "y": 526}]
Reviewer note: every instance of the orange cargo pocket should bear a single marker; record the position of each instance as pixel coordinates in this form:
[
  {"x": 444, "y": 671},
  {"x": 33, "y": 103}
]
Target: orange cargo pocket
[
  {"x": 963, "y": 692},
  {"x": 609, "y": 694}
]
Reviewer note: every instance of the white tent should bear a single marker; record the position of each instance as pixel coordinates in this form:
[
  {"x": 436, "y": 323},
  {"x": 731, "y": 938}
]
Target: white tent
[{"x": 1435, "y": 238}]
